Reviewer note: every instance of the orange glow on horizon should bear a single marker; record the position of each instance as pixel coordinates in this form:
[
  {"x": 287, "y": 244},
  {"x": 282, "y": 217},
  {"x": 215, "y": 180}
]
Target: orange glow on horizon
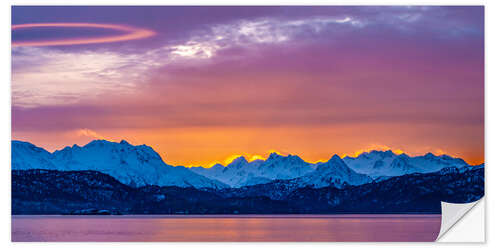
[
  {"x": 197, "y": 146},
  {"x": 247, "y": 156},
  {"x": 250, "y": 157},
  {"x": 203, "y": 92},
  {"x": 256, "y": 157},
  {"x": 231, "y": 159},
  {"x": 132, "y": 34}
]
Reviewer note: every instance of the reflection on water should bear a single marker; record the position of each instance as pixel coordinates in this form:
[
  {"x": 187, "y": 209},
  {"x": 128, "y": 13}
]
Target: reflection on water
[{"x": 227, "y": 228}]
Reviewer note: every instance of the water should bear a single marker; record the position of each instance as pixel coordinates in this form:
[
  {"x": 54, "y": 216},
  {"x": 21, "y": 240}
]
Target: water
[{"x": 226, "y": 228}]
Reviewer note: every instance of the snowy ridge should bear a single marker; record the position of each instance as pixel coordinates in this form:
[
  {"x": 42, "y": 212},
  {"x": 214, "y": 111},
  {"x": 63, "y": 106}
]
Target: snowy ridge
[
  {"x": 28, "y": 156},
  {"x": 141, "y": 165},
  {"x": 240, "y": 172},
  {"x": 131, "y": 165},
  {"x": 333, "y": 173},
  {"x": 386, "y": 163}
]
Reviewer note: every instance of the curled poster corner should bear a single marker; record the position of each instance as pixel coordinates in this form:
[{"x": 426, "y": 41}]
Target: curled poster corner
[{"x": 451, "y": 213}]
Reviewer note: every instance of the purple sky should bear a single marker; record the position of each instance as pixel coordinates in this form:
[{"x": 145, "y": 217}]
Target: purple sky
[{"x": 215, "y": 82}]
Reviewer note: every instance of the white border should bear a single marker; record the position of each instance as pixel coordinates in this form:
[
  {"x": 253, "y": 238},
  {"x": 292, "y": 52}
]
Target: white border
[
  {"x": 461, "y": 231},
  {"x": 492, "y": 123},
  {"x": 452, "y": 215}
]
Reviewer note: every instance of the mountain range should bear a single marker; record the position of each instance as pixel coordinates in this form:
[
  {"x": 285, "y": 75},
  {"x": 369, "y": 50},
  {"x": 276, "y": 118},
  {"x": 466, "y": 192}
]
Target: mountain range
[
  {"x": 141, "y": 165},
  {"x": 106, "y": 177},
  {"x": 387, "y": 163},
  {"x": 37, "y": 191},
  {"x": 131, "y": 165}
]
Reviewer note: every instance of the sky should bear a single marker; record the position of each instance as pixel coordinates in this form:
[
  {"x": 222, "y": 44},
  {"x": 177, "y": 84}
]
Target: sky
[{"x": 203, "y": 85}]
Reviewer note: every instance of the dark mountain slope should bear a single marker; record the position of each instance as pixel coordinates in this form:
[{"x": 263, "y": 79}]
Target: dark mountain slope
[
  {"x": 414, "y": 193},
  {"x": 66, "y": 192}
]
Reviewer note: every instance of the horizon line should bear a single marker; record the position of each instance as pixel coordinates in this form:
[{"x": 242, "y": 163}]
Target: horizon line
[{"x": 253, "y": 158}]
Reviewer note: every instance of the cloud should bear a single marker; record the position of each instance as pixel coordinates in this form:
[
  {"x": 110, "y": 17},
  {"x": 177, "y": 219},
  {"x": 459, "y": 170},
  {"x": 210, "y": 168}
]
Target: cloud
[
  {"x": 42, "y": 77},
  {"x": 85, "y": 132},
  {"x": 45, "y": 76},
  {"x": 51, "y": 77},
  {"x": 194, "y": 49},
  {"x": 131, "y": 34},
  {"x": 253, "y": 33},
  {"x": 248, "y": 33}
]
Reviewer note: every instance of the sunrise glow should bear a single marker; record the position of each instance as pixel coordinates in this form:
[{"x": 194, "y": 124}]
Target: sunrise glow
[{"x": 205, "y": 87}]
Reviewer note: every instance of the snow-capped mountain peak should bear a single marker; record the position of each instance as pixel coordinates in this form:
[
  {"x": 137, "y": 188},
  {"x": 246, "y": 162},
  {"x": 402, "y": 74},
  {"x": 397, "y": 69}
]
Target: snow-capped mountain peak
[
  {"x": 123, "y": 142},
  {"x": 132, "y": 165},
  {"x": 273, "y": 155},
  {"x": 238, "y": 162},
  {"x": 240, "y": 172},
  {"x": 142, "y": 165},
  {"x": 335, "y": 159},
  {"x": 386, "y": 163},
  {"x": 334, "y": 172},
  {"x": 28, "y": 156}
]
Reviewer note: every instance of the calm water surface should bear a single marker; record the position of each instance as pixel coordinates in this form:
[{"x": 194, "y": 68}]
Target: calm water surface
[{"x": 226, "y": 228}]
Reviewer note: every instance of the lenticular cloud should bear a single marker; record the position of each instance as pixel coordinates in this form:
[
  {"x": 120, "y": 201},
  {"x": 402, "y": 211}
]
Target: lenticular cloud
[{"x": 131, "y": 33}]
